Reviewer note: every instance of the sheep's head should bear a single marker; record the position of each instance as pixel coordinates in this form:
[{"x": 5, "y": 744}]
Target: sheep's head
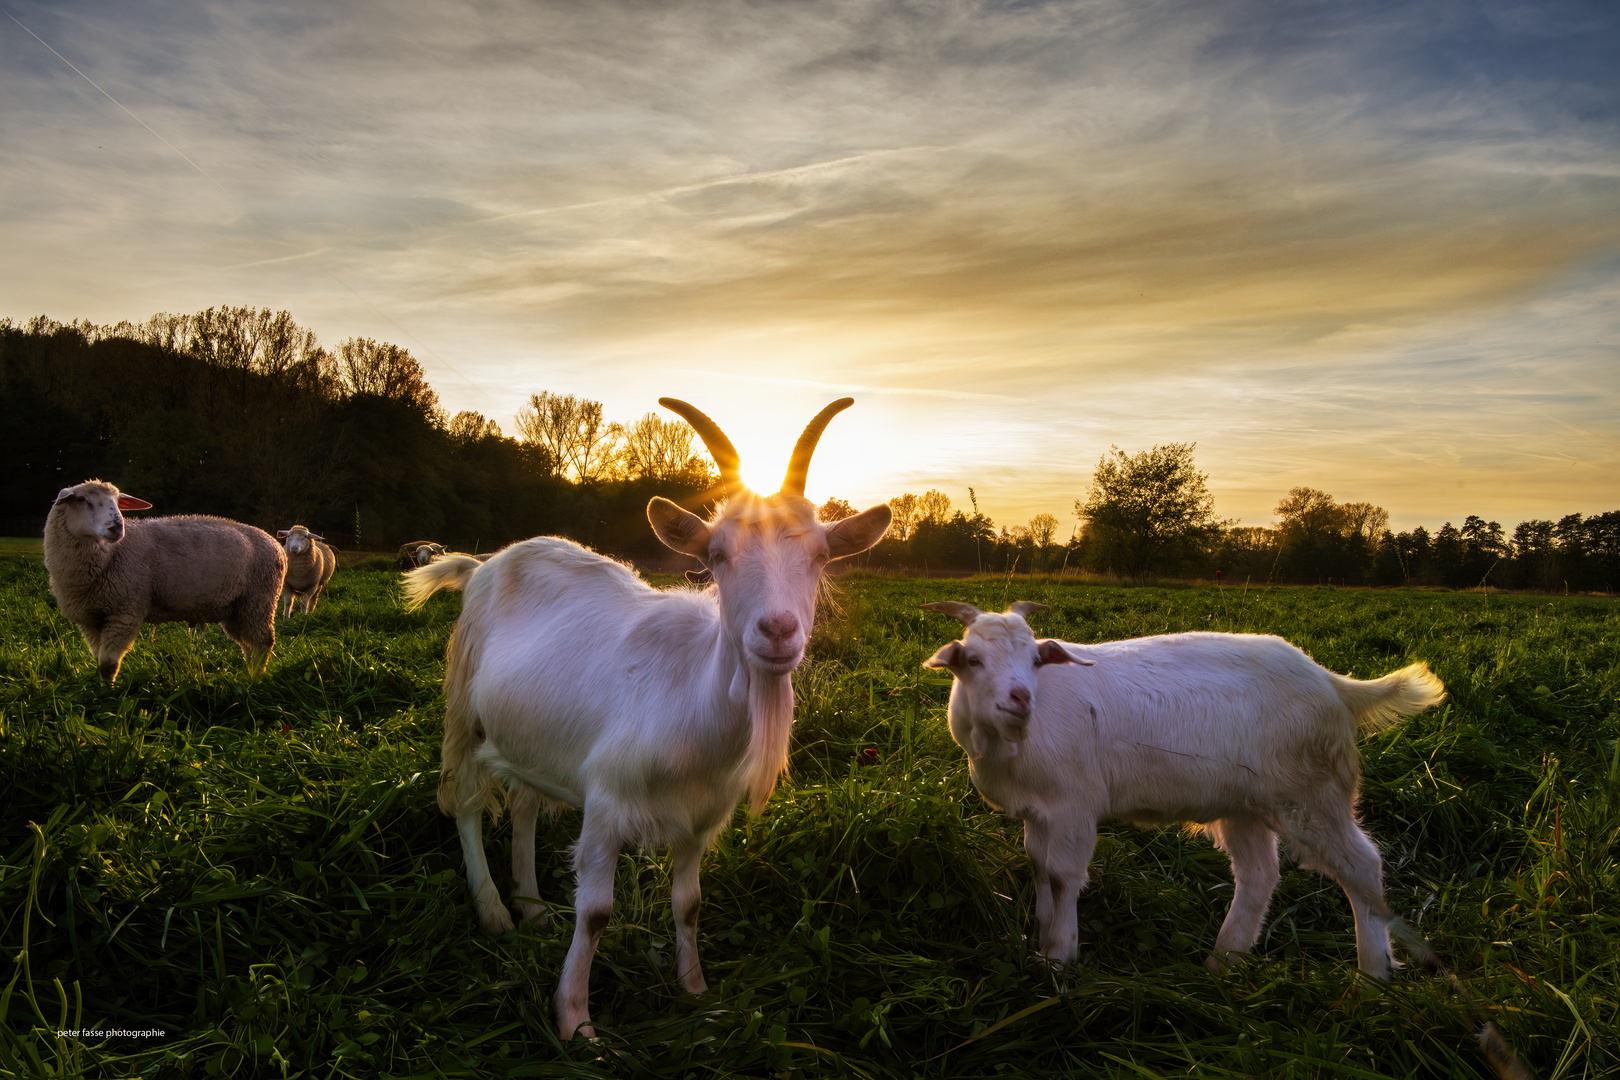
[
  {"x": 994, "y": 667},
  {"x": 94, "y": 510},
  {"x": 297, "y": 539},
  {"x": 766, "y": 552}
]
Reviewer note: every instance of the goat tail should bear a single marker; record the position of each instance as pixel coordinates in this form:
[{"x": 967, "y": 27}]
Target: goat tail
[
  {"x": 770, "y": 708},
  {"x": 464, "y": 782},
  {"x": 446, "y": 572},
  {"x": 1382, "y": 703}
]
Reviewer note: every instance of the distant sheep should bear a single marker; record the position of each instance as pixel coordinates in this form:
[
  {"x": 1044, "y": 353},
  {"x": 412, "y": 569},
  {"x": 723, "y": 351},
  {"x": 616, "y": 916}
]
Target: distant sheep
[
  {"x": 110, "y": 577},
  {"x": 1242, "y": 734},
  {"x": 310, "y": 563},
  {"x": 418, "y": 553}
]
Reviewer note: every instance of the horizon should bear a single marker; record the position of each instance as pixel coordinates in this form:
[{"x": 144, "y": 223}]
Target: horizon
[{"x": 1373, "y": 251}]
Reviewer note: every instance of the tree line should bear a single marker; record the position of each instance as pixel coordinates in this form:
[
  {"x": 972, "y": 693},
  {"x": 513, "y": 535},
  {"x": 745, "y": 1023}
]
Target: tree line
[
  {"x": 1151, "y": 514},
  {"x": 241, "y": 412}
]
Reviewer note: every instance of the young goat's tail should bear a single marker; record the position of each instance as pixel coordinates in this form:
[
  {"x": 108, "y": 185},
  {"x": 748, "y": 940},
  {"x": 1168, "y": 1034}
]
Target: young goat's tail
[
  {"x": 1382, "y": 703},
  {"x": 445, "y": 572}
]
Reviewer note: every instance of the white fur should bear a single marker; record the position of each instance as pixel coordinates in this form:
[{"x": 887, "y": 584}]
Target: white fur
[
  {"x": 572, "y": 681},
  {"x": 1241, "y": 734}
]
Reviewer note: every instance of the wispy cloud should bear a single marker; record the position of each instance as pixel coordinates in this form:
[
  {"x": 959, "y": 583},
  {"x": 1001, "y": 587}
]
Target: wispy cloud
[{"x": 1352, "y": 246}]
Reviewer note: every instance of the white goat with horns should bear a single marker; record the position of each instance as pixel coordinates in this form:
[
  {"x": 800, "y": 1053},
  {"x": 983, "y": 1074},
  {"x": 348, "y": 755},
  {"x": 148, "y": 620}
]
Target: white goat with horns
[
  {"x": 1242, "y": 734},
  {"x": 571, "y": 681}
]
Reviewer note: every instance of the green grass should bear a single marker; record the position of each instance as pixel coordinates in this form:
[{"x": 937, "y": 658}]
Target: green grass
[
  {"x": 21, "y": 545},
  {"x": 258, "y": 866}
]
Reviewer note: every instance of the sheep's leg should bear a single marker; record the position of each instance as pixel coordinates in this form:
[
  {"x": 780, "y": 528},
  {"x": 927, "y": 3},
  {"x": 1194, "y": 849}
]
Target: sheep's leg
[
  {"x": 117, "y": 637},
  {"x": 686, "y": 897},
  {"x": 1068, "y": 854},
  {"x": 595, "y": 858},
  {"x": 1035, "y": 844},
  {"x": 1252, "y": 848},
  {"x": 286, "y": 609},
  {"x": 1330, "y": 841},
  {"x": 311, "y": 600},
  {"x": 525, "y": 806},
  {"x": 254, "y": 632}
]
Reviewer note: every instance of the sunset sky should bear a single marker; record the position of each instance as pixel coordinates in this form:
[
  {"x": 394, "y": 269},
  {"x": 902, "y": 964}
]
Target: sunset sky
[{"x": 1370, "y": 248}]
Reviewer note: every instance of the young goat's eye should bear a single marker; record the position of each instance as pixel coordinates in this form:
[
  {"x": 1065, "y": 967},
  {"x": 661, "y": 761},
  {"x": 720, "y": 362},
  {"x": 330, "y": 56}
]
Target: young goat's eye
[{"x": 974, "y": 661}]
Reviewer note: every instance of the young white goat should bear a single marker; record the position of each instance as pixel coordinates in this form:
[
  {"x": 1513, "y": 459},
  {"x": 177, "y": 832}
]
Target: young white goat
[
  {"x": 572, "y": 681},
  {"x": 1242, "y": 734}
]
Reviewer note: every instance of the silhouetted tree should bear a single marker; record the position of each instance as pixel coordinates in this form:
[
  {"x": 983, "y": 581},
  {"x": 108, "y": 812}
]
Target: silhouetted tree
[{"x": 1147, "y": 506}]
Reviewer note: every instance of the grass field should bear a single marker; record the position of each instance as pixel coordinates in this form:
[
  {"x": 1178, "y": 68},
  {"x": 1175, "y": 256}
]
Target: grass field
[{"x": 257, "y": 867}]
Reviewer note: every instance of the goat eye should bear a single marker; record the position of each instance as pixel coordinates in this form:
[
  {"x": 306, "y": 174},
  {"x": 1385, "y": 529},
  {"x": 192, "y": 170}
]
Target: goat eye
[{"x": 974, "y": 661}]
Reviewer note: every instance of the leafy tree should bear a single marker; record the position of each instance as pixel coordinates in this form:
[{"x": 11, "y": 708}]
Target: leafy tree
[
  {"x": 1143, "y": 507},
  {"x": 834, "y": 509},
  {"x": 904, "y": 520},
  {"x": 1322, "y": 538}
]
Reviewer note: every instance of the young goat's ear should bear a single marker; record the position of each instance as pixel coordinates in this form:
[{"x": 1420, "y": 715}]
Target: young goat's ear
[
  {"x": 963, "y": 613},
  {"x": 1025, "y": 608},
  {"x": 856, "y": 534},
  {"x": 679, "y": 529},
  {"x": 950, "y": 656},
  {"x": 1051, "y": 651},
  {"x": 130, "y": 502}
]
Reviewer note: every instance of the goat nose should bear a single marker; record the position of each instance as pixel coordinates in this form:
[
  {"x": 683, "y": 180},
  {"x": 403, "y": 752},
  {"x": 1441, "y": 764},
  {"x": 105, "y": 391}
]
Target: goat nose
[
  {"x": 1019, "y": 696},
  {"x": 779, "y": 627}
]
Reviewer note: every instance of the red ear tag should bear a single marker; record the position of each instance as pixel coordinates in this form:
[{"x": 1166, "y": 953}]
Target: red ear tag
[{"x": 130, "y": 502}]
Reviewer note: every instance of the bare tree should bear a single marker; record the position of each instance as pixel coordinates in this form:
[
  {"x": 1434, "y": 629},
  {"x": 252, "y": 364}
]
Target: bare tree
[
  {"x": 385, "y": 370},
  {"x": 659, "y": 449},
  {"x": 571, "y": 430},
  {"x": 468, "y": 426}
]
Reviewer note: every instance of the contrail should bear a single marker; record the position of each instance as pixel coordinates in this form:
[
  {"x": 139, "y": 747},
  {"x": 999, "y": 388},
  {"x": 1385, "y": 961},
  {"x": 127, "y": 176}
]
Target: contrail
[
  {"x": 724, "y": 181},
  {"x": 120, "y": 104},
  {"x": 278, "y": 259}
]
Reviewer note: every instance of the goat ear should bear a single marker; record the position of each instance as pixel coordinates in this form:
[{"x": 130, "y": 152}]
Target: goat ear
[
  {"x": 856, "y": 534},
  {"x": 963, "y": 613},
  {"x": 130, "y": 502},
  {"x": 950, "y": 656},
  {"x": 679, "y": 529},
  {"x": 1051, "y": 651},
  {"x": 1025, "y": 608},
  {"x": 700, "y": 577}
]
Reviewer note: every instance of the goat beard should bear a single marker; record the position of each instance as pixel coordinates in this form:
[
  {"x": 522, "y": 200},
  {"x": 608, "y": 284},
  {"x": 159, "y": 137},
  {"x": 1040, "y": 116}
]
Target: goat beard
[{"x": 770, "y": 712}]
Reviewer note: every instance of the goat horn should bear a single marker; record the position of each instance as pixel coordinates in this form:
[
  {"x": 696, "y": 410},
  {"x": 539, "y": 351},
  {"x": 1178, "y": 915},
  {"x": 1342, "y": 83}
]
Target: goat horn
[
  {"x": 720, "y": 448},
  {"x": 799, "y": 464}
]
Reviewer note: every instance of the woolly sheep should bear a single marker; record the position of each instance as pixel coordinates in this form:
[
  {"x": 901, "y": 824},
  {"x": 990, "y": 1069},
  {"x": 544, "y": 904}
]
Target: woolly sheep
[
  {"x": 111, "y": 576},
  {"x": 310, "y": 563},
  {"x": 1242, "y": 734},
  {"x": 418, "y": 553}
]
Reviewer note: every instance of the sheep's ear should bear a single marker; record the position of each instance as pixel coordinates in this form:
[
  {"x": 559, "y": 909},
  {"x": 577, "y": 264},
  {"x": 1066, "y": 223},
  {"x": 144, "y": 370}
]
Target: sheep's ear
[
  {"x": 65, "y": 493},
  {"x": 312, "y": 536},
  {"x": 679, "y": 529},
  {"x": 964, "y": 613},
  {"x": 281, "y": 534},
  {"x": 949, "y": 657},
  {"x": 1051, "y": 651},
  {"x": 855, "y": 534},
  {"x": 130, "y": 502},
  {"x": 1025, "y": 608}
]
